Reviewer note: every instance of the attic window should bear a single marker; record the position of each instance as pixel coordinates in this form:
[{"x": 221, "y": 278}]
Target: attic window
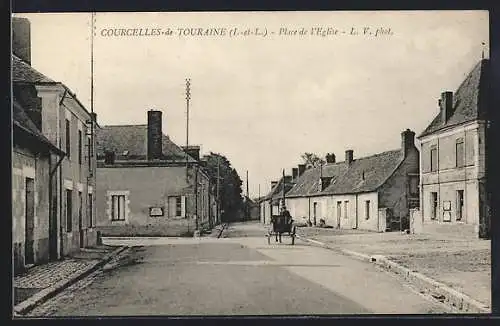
[
  {"x": 109, "y": 157},
  {"x": 125, "y": 153}
]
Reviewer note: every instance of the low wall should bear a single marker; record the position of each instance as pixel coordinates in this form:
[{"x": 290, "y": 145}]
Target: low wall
[
  {"x": 177, "y": 229},
  {"x": 453, "y": 230}
]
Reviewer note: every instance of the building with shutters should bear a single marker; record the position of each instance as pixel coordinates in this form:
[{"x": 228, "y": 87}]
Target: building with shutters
[
  {"x": 148, "y": 185},
  {"x": 370, "y": 193},
  {"x": 53, "y": 163},
  {"x": 453, "y": 160}
]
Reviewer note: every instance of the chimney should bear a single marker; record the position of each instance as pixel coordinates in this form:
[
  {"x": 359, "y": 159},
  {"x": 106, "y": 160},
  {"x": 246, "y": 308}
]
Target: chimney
[
  {"x": 295, "y": 173},
  {"x": 301, "y": 168},
  {"x": 446, "y": 106},
  {"x": 349, "y": 156},
  {"x": 193, "y": 151},
  {"x": 21, "y": 38},
  {"x": 407, "y": 141},
  {"x": 288, "y": 179},
  {"x": 154, "y": 135},
  {"x": 273, "y": 184},
  {"x": 330, "y": 158}
]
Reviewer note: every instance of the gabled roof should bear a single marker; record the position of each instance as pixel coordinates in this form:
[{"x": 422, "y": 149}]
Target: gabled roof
[
  {"x": 364, "y": 174},
  {"x": 469, "y": 100},
  {"x": 308, "y": 183},
  {"x": 23, "y": 72},
  {"x": 129, "y": 142}
]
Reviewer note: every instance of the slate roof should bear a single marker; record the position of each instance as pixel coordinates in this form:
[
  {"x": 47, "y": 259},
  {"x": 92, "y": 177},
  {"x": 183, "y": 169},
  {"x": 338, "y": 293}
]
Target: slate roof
[
  {"x": 132, "y": 140},
  {"x": 23, "y": 72},
  {"x": 469, "y": 100},
  {"x": 309, "y": 182},
  {"x": 376, "y": 169},
  {"x": 23, "y": 122},
  {"x": 349, "y": 179}
]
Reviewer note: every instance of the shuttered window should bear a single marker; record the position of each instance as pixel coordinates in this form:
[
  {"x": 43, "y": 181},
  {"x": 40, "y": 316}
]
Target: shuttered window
[
  {"x": 459, "y": 151},
  {"x": 434, "y": 158},
  {"x": 177, "y": 206},
  {"x": 118, "y": 207}
]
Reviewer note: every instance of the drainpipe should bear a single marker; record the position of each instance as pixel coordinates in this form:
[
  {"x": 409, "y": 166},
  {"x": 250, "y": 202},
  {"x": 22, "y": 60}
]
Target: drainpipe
[
  {"x": 51, "y": 175},
  {"x": 356, "y": 211}
]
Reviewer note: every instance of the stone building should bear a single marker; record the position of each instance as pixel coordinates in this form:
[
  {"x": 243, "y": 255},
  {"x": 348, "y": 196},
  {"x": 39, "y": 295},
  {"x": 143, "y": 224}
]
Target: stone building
[
  {"x": 371, "y": 193},
  {"x": 453, "y": 160},
  {"x": 148, "y": 185},
  {"x": 54, "y": 211}
]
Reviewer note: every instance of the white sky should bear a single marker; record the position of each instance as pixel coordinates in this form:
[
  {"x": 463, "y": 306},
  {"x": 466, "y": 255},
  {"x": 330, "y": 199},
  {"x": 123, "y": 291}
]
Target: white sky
[{"x": 262, "y": 102}]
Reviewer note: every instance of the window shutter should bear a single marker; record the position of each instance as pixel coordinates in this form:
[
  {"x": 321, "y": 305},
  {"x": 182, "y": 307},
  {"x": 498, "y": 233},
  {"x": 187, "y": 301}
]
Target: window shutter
[
  {"x": 171, "y": 207},
  {"x": 183, "y": 206}
]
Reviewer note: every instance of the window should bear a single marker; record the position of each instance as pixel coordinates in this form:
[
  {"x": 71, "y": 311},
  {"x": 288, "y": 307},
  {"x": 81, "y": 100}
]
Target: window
[
  {"x": 177, "y": 206},
  {"x": 367, "y": 209},
  {"x": 346, "y": 204},
  {"x": 434, "y": 158},
  {"x": 118, "y": 207},
  {"x": 459, "y": 152},
  {"x": 460, "y": 204},
  {"x": 434, "y": 205},
  {"x": 414, "y": 185},
  {"x": 69, "y": 210},
  {"x": 91, "y": 212},
  {"x": 68, "y": 139},
  {"x": 80, "y": 145}
]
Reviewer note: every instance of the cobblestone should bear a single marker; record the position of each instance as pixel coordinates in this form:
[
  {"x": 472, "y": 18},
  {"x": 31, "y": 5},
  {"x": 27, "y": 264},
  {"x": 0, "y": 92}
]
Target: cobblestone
[{"x": 49, "y": 274}]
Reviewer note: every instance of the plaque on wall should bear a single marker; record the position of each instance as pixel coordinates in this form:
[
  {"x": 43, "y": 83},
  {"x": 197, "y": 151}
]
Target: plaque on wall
[
  {"x": 447, "y": 205},
  {"x": 156, "y": 211},
  {"x": 446, "y": 216}
]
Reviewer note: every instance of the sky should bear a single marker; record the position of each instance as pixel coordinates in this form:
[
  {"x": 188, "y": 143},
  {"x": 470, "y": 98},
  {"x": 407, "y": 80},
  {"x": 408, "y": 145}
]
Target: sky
[{"x": 262, "y": 101}]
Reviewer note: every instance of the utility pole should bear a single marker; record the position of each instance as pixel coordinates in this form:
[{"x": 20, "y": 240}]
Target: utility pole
[
  {"x": 284, "y": 184},
  {"x": 218, "y": 193},
  {"x": 188, "y": 97},
  {"x": 247, "y": 201},
  {"x": 259, "y": 203}
]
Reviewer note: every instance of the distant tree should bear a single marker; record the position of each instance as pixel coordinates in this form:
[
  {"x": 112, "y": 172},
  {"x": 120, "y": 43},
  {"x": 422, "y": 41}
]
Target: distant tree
[
  {"x": 229, "y": 186},
  {"x": 312, "y": 160}
]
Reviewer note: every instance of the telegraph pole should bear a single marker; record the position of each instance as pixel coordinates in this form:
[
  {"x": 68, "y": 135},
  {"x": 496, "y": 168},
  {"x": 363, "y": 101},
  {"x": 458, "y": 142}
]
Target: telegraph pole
[
  {"x": 188, "y": 97},
  {"x": 218, "y": 193},
  {"x": 259, "y": 203},
  {"x": 247, "y": 201}
]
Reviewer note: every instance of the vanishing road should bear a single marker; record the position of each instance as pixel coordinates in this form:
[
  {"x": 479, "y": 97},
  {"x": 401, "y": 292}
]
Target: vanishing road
[{"x": 240, "y": 275}]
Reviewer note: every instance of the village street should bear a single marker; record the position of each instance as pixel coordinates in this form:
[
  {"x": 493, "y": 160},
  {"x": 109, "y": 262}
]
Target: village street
[{"x": 240, "y": 275}]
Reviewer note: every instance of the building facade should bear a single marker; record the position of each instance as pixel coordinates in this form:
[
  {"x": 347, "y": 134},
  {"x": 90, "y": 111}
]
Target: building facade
[
  {"x": 150, "y": 186},
  {"x": 453, "y": 160},
  {"x": 370, "y": 193},
  {"x": 54, "y": 203}
]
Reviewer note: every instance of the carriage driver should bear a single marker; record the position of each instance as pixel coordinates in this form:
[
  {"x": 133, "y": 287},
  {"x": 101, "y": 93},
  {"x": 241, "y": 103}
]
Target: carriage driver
[{"x": 286, "y": 214}]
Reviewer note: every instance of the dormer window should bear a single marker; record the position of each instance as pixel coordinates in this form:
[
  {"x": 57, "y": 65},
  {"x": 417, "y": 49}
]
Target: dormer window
[{"x": 109, "y": 157}]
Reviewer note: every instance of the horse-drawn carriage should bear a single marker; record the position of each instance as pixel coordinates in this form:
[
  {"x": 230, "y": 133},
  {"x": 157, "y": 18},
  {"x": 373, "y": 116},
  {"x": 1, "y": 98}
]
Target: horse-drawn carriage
[{"x": 281, "y": 225}]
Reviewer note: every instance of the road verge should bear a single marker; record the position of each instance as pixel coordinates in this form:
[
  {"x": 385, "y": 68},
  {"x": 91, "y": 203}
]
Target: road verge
[{"x": 425, "y": 284}]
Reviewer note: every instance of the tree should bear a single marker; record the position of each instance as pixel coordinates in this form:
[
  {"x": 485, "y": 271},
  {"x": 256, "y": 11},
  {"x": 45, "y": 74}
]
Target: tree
[
  {"x": 312, "y": 160},
  {"x": 230, "y": 184}
]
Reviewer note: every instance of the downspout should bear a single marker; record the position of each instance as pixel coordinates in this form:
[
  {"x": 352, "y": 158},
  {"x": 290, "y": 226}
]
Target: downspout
[
  {"x": 51, "y": 175},
  {"x": 356, "y": 211}
]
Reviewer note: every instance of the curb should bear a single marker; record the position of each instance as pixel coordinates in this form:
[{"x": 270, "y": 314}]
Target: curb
[
  {"x": 424, "y": 283},
  {"x": 47, "y": 293}
]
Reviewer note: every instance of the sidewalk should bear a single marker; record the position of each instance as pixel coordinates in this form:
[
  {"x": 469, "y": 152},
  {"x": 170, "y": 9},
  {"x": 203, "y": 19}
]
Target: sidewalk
[
  {"x": 42, "y": 281},
  {"x": 462, "y": 264}
]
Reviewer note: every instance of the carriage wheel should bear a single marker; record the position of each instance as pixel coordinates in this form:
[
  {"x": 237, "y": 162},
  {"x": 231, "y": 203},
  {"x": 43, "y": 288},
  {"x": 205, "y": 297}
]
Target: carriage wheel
[
  {"x": 268, "y": 239},
  {"x": 293, "y": 239}
]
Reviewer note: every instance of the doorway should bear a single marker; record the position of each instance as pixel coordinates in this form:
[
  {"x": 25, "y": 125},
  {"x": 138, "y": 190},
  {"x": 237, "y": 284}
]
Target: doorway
[
  {"x": 29, "y": 240},
  {"x": 339, "y": 213},
  {"x": 460, "y": 205},
  {"x": 80, "y": 219},
  {"x": 315, "y": 210}
]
